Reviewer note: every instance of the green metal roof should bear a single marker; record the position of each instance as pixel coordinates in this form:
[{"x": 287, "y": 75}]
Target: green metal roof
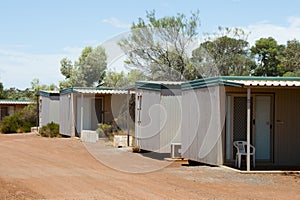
[
  {"x": 157, "y": 85},
  {"x": 208, "y": 82},
  {"x": 48, "y": 93},
  {"x": 241, "y": 81}
]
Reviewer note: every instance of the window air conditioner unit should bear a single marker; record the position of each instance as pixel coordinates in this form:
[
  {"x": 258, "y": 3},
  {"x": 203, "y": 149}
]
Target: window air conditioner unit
[{"x": 175, "y": 150}]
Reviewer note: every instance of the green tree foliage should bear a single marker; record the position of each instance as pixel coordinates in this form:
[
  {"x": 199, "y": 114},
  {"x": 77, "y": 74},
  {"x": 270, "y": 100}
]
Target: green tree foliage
[
  {"x": 291, "y": 58},
  {"x": 37, "y": 86},
  {"x": 226, "y": 53},
  {"x": 66, "y": 67},
  {"x": 27, "y": 94},
  {"x": 3, "y": 94},
  {"x": 88, "y": 71},
  {"x": 93, "y": 66},
  {"x": 268, "y": 55},
  {"x": 135, "y": 75},
  {"x": 160, "y": 46},
  {"x": 84, "y": 54},
  {"x": 115, "y": 79},
  {"x": 17, "y": 94},
  {"x": 120, "y": 79},
  {"x": 295, "y": 73}
]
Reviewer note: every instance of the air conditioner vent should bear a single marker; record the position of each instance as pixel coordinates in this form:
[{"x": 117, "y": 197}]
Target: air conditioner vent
[{"x": 175, "y": 150}]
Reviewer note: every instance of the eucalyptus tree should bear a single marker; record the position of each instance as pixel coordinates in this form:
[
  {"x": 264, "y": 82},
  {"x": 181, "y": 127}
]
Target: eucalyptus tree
[{"x": 160, "y": 47}]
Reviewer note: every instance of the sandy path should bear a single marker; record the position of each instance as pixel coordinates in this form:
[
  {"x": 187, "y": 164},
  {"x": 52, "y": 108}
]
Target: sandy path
[{"x": 33, "y": 167}]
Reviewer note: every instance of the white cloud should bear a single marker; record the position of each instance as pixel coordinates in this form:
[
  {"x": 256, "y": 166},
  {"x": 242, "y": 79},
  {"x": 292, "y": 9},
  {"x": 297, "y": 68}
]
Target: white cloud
[
  {"x": 281, "y": 33},
  {"x": 72, "y": 50},
  {"x": 294, "y": 22},
  {"x": 116, "y": 22},
  {"x": 17, "y": 69}
]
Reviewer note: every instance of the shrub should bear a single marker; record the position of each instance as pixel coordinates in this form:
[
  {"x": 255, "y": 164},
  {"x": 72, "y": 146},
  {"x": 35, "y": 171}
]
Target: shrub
[
  {"x": 105, "y": 129},
  {"x": 50, "y": 130},
  {"x": 10, "y": 124},
  {"x": 109, "y": 130},
  {"x": 136, "y": 149}
]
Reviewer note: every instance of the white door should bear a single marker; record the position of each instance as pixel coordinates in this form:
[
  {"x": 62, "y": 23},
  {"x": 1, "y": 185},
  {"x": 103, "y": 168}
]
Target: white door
[{"x": 263, "y": 127}]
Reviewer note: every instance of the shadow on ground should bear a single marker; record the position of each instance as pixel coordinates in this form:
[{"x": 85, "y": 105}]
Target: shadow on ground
[{"x": 154, "y": 155}]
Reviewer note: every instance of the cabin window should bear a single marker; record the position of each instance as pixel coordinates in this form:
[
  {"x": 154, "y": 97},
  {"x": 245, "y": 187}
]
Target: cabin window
[{"x": 3, "y": 112}]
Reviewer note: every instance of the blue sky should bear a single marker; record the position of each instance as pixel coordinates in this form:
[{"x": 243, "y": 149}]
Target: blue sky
[{"x": 36, "y": 34}]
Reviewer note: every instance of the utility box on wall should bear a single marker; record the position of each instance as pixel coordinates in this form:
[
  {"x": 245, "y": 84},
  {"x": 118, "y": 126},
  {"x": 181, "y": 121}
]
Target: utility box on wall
[{"x": 176, "y": 150}]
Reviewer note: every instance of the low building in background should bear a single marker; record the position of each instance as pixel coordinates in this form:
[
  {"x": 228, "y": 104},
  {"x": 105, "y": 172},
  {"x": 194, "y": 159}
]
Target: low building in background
[{"x": 9, "y": 107}]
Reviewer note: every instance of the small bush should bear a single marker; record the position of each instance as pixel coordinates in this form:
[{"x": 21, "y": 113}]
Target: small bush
[
  {"x": 50, "y": 130},
  {"x": 105, "y": 129},
  {"x": 10, "y": 124},
  {"x": 136, "y": 149}
]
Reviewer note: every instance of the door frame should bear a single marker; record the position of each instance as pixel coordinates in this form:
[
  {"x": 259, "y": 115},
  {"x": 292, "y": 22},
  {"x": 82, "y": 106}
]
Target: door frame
[
  {"x": 271, "y": 95},
  {"x": 253, "y": 106},
  {"x": 102, "y": 106}
]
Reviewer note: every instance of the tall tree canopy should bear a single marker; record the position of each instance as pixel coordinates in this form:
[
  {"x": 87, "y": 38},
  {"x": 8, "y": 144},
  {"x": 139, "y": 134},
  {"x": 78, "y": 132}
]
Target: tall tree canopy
[
  {"x": 226, "y": 53},
  {"x": 114, "y": 79},
  {"x": 291, "y": 55},
  {"x": 120, "y": 79},
  {"x": 88, "y": 71},
  {"x": 2, "y": 92},
  {"x": 160, "y": 46},
  {"x": 268, "y": 55}
]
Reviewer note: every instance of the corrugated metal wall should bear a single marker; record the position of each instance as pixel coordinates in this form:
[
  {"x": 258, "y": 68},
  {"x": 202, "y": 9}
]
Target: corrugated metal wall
[
  {"x": 202, "y": 125},
  {"x": 49, "y": 111},
  {"x": 147, "y": 131},
  {"x": 86, "y": 113},
  {"x": 170, "y": 122},
  {"x": 44, "y": 111},
  {"x": 287, "y": 127},
  {"x": 66, "y": 121},
  {"x": 160, "y": 117}
]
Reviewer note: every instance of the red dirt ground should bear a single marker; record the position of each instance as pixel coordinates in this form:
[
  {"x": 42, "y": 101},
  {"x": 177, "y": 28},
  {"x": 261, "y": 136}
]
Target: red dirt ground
[{"x": 33, "y": 167}]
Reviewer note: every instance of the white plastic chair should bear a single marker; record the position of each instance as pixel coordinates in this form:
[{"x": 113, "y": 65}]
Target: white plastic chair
[{"x": 241, "y": 147}]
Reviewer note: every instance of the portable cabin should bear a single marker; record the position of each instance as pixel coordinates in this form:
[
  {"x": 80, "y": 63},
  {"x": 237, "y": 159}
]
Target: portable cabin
[
  {"x": 48, "y": 107},
  {"x": 82, "y": 109},
  {"x": 8, "y": 107},
  {"x": 158, "y": 115},
  {"x": 264, "y": 111}
]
